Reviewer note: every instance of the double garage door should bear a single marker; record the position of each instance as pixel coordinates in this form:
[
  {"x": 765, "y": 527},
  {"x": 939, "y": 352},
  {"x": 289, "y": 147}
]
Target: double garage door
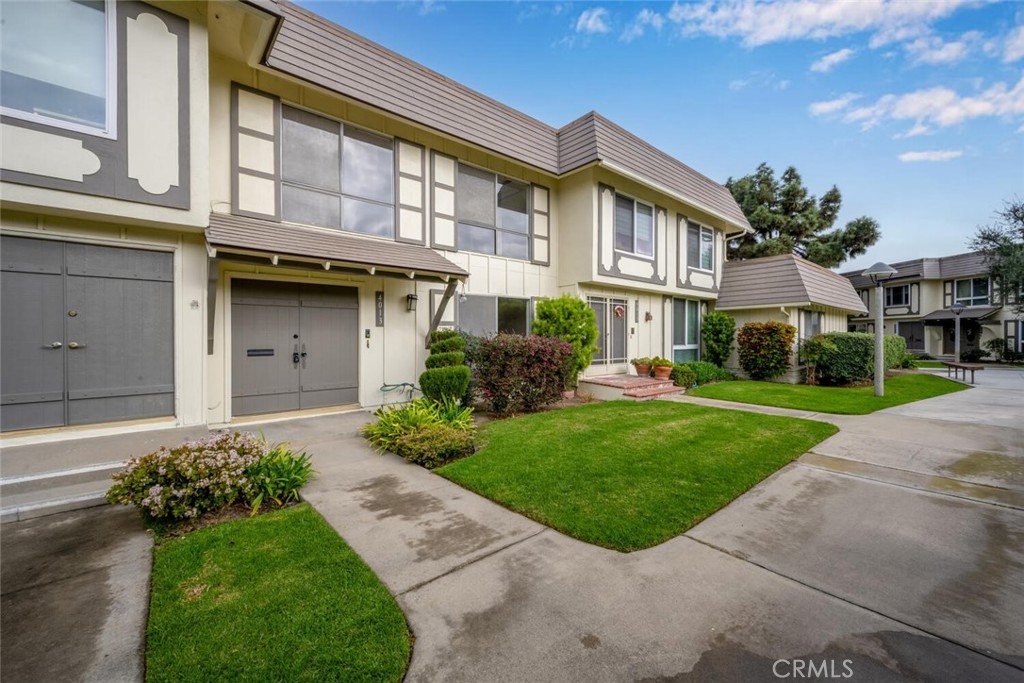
[
  {"x": 293, "y": 346},
  {"x": 87, "y": 333}
]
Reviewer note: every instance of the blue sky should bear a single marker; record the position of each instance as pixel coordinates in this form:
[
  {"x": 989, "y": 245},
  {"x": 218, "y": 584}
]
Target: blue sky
[{"x": 914, "y": 109}]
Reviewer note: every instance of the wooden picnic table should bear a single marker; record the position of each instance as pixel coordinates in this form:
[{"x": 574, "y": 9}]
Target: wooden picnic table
[{"x": 957, "y": 367}]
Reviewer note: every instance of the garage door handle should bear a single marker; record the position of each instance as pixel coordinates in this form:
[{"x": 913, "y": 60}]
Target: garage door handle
[
  {"x": 54, "y": 345},
  {"x": 75, "y": 345}
]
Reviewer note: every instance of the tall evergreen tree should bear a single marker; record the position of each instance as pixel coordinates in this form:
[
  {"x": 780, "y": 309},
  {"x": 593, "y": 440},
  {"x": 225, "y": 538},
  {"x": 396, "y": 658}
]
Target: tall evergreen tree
[
  {"x": 1003, "y": 246},
  {"x": 787, "y": 219}
]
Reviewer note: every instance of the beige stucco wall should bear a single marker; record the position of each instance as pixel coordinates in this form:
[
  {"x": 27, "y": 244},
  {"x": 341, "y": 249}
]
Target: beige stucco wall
[{"x": 190, "y": 263}]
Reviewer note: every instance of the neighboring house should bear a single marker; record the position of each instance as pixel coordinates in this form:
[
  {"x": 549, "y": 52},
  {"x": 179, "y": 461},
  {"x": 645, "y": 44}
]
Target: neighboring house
[
  {"x": 918, "y": 300},
  {"x": 219, "y": 209},
  {"x": 787, "y": 289}
]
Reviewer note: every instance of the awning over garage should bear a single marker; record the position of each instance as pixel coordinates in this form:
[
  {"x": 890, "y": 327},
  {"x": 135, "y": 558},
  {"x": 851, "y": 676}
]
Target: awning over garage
[
  {"x": 329, "y": 248},
  {"x": 972, "y": 313}
]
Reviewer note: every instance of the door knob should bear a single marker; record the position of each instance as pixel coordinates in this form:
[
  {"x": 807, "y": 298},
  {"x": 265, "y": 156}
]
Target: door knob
[
  {"x": 75, "y": 345},
  {"x": 295, "y": 357},
  {"x": 54, "y": 345}
]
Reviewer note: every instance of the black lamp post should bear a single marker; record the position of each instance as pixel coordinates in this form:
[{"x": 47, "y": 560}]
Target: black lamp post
[
  {"x": 879, "y": 273},
  {"x": 957, "y": 309}
]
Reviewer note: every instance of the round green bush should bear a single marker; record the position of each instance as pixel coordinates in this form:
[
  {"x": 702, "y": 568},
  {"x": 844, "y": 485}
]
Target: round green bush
[
  {"x": 445, "y": 382},
  {"x": 441, "y": 360},
  {"x": 683, "y": 375},
  {"x": 717, "y": 331},
  {"x": 449, "y": 344},
  {"x": 765, "y": 348},
  {"x": 573, "y": 321},
  {"x": 434, "y": 445}
]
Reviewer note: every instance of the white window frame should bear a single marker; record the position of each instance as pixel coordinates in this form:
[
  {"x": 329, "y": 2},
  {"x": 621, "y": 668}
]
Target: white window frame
[
  {"x": 973, "y": 299},
  {"x": 686, "y": 325},
  {"x": 700, "y": 247},
  {"x": 888, "y": 295},
  {"x": 805, "y": 315},
  {"x": 110, "y": 131},
  {"x": 654, "y": 229}
]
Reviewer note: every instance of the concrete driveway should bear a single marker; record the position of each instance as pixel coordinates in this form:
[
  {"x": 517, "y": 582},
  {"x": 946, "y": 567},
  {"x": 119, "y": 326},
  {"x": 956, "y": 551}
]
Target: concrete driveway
[{"x": 897, "y": 549}]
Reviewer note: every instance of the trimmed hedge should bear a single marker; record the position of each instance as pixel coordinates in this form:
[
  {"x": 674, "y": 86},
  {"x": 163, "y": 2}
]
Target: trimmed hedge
[
  {"x": 448, "y": 344},
  {"x": 717, "y": 331},
  {"x": 436, "y": 444},
  {"x": 706, "y": 373},
  {"x": 683, "y": 375},
  {"x": 517, "y": 374},
  {"x": 443, "y": 360},
  {"x": 445, "y": 382},
  {"x": 765, "y": 348},
  {"x": 853, "y": 357}
]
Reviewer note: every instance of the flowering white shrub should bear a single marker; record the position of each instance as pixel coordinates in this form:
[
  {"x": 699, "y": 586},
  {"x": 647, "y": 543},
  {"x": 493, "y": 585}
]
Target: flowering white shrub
[{"x": 185, "y": 481}]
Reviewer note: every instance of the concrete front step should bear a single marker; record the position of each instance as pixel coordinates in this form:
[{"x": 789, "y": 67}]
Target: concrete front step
[{"x": 615, "y": 387}]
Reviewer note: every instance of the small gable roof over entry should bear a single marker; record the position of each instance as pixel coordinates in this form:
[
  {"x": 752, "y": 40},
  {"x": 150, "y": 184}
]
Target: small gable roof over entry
[{"x": 786, "y": 280}]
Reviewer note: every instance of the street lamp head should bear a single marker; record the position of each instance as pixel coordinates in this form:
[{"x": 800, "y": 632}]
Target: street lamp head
[
  {"x": 957, "y": 308},
  {"x": 880, "y": 272}
]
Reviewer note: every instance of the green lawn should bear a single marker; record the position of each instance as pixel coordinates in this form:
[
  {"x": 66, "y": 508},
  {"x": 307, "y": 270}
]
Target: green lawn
[
  {"x": 627, "y": 475},
  {"x": 930, "y": 364},
  {"x": 279, "y": 597},
  {"x": 841, "y": 400}
]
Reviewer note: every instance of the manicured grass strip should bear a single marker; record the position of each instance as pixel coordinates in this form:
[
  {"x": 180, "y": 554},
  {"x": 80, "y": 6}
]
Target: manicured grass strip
[
  {"x": 839, "y": 400},
  {"x": 279, "y": 597},
  {"x": 930, "y": 364},
  {"x": 627, "y": 475}
]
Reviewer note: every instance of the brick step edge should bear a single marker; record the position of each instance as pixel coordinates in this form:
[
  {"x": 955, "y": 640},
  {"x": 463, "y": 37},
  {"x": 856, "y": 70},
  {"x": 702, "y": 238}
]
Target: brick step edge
[{"x": 651, "y": 392}]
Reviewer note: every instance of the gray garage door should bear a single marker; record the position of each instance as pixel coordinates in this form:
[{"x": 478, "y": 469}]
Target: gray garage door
[
  {"x": 292, "y": 346},
  {"x": 87, "y": 334}
]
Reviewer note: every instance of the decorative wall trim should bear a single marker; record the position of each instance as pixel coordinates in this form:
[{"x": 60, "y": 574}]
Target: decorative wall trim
[
  {"x": 242, "y": 175},
  {"x": 618, "y": 262},
  {"x": 112, "y": 179},
  {"x": 442, "y": 223},
  {"x": 540, "y": 225}
]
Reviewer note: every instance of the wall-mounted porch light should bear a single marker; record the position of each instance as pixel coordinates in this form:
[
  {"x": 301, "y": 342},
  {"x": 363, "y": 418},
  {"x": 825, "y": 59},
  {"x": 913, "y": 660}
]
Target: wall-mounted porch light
[{"x": 410, "y": 302}]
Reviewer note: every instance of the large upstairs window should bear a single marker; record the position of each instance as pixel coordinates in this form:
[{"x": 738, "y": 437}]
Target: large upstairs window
[
  {"x": 897, "y": 295},
  {"x": 634, "y": 226},
  {"x": 493, "y": 214},
  {"x": 57, "y": 60},
  {"x": 336, "y": 176},
  {"x": 971, "y": 292}
]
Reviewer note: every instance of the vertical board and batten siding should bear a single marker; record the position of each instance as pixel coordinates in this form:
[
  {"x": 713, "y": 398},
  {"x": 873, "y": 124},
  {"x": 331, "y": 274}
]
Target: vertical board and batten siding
[
  {"x": 255, "y": 153},
  {"x": 318, "y": 51},
  {"x": 411, "y": 187},
  {"x": 443, "y": 170}
]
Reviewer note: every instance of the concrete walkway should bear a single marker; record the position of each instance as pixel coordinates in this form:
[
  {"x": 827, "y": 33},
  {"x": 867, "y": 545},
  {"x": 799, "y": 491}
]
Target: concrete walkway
[{"x": 897, "y": 546}]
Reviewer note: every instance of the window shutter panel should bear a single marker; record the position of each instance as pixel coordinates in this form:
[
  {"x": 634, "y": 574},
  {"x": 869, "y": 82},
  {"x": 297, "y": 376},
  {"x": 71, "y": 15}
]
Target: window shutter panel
[
  {"x": 540, "y": 226},
  {"x": 443, "y": 170},
  {"x": 410, "y": 165},
  {"x": 255, "y": 155}
]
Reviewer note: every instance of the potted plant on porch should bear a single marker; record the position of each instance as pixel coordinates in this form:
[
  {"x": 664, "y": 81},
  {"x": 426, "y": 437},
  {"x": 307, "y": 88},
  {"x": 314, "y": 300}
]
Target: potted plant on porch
[
  {"x": 662, "y": 367},
  {"x": 642, "y": 365}
]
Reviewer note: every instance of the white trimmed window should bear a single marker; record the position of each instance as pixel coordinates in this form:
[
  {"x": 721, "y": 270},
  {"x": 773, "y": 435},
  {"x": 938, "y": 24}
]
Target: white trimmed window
[
  {"x": 634, "y": 227},
  {"x": 810, "y": 323},
  {"x": 700, "y": 247},
  {"x": 336, "y": 176},
  {"x": 685, "y": 330},
  {"x": 486, "y": 316},
  {"x": 897, "y": 295},
  {"x": 971, "y": 292},
  {"x": 493, "y": 214},
  {"x": 58, "y": 62}
]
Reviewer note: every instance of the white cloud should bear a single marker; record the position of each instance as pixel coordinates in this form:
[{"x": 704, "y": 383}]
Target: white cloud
[
  {"x": 430, "y": 7},
  {"x": 643, "y": 19},
  {"x": 941, "y": 106},
  {"x": 931, "y": 155},
  {"x": 760, "y": 79},
  {"x": 833, "y": 106},
  {"x": 833, "y": 59},
  {"x": 760, "y": 23},
  {"x": 1014, "y": 48},
  {"x": 593, "y": 20},
  {"x": 913, "y": 132},
  {"x": 935, "y": 50}
]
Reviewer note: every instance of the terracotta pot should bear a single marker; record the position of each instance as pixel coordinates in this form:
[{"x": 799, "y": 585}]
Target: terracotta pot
[
  {"x": 569, "y": 393},
  {"x": 662, "y": 372},
  {"x": 643, "y": 370}
]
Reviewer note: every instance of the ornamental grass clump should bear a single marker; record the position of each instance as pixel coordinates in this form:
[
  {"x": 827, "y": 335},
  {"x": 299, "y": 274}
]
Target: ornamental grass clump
[{"x": 181, "y": 483}]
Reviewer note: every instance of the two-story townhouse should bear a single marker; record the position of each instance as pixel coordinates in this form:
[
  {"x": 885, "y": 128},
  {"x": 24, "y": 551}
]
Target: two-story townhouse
[
  {"x": 918, "y": 301},
  {"x": 343, "y": 201}
]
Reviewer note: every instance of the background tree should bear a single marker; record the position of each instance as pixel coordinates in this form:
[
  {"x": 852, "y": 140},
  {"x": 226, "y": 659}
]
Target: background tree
[
  {"x": 788, "y": 219},
  {"x": 1003, "y": 246}
]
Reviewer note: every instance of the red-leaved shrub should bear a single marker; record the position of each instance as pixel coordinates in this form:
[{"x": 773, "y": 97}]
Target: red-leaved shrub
[
  {"x": 765, "y": 348},
  {"x": 517, "y": 374}
]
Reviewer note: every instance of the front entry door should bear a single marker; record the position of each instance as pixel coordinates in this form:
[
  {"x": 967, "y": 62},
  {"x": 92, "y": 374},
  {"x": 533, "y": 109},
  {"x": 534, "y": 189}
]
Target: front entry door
[
  {"x": 87, "y": 334},
  {"x": 293, "y": 346},
  {"x": 970, "y": 332}
]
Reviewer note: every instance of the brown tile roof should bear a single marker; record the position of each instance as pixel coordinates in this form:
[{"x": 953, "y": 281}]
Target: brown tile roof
[
  {"x": 943, "y": 268},
  {"x": 784, "y": 280},
  {"x": 320, "y": 52},
  {"x": 343, "y": 249}
]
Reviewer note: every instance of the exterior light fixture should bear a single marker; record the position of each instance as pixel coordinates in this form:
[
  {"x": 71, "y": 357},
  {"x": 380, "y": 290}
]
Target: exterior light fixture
[
  {"x": 410, "y": 302},
  {"x": 880, "y": 273}
]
